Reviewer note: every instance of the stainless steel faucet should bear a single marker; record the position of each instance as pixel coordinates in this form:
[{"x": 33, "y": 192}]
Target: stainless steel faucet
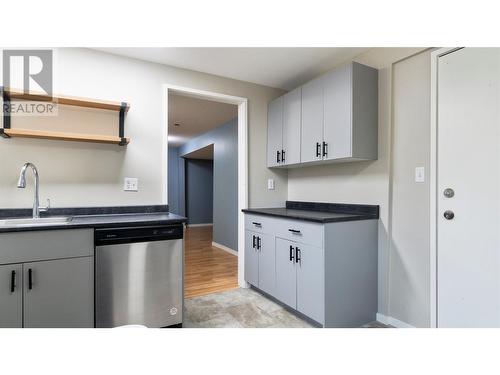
[{"x": 22, "y": 184}]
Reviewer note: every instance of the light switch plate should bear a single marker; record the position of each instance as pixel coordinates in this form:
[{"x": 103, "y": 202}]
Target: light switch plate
[
  {"x": 270, "y": 184},
  {"x": 419, "y": 174},
  {"x": 131, "y": 184}
]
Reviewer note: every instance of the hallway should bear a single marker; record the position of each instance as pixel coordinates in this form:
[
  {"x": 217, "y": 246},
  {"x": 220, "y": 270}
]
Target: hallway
[{"x": 208, "y": 269}]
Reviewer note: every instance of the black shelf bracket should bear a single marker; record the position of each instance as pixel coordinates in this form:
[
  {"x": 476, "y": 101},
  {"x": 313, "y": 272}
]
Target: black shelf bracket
[
  {"x": 6, "y": 112},
  {"x": 121, "y": 128}
]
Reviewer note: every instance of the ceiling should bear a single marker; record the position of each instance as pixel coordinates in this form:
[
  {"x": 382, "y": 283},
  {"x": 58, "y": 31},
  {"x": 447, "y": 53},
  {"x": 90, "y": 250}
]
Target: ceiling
[
  {"x": 205, "y": 153},
  {"x": 284, "y": 68},
  {"x": 195, "y": 117}
]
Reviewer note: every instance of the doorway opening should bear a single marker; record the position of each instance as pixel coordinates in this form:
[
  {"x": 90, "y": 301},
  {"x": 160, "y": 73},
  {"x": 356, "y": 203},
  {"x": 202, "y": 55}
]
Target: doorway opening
[{"x": 206, "y": 168}]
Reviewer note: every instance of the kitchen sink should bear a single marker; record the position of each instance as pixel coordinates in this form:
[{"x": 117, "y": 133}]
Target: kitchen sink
[{"x": 28, "y": 222}]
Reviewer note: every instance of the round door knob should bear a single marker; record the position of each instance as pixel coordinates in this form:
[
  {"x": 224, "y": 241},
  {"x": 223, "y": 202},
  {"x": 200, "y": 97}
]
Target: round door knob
[
  {"x": 448, "y": 215},
  {"x": 448, "y": 193}
]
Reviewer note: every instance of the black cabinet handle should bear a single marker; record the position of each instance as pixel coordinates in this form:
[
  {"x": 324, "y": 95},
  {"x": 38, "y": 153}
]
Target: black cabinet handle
[
  {"x": 294, "y": 231},
  {"x": 257, "y": 224},
  {"x": 297, "y": 255},
  {"x": 325, "y": 149},
  {"x": 291, "y": 253},
  {"x": 253, "y": 241},
  {"x": 277, "y": 156},
  {"x": 12, "y": 281},
  {"x": 30, "y": 279},
  {"x": 259, "y": 242},
  {"x": 318, "y": 149},
  {"x": 283, "y": 156}
]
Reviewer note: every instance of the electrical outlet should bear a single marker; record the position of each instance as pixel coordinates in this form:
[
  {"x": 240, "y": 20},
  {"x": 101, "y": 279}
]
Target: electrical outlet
[
  {"x": 419, "y": 174},
  {"x": 131, "y": 184},
  {"x": 270, "y": 184}
]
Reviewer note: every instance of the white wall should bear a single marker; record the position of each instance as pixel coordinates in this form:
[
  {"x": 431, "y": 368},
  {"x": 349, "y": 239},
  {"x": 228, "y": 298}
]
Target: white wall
[
  {"x": 85, "y": 174},
  {"x": 409, "y": 272}
]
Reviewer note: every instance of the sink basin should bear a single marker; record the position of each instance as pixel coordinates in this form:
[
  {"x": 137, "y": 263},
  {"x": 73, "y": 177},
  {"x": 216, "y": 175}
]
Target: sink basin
[{"x": 28, "y": 222}]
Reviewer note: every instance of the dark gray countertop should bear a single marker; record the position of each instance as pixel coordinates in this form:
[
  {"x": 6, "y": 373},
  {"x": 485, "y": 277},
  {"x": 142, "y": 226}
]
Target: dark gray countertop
[
  {"x": 104, "y": 221},
  {"x": 320, "y": 212}
]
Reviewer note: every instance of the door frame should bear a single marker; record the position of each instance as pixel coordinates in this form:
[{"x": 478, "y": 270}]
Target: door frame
[
  {"x": 433, "y": 179},
  {"x": 242, "y": 104}
]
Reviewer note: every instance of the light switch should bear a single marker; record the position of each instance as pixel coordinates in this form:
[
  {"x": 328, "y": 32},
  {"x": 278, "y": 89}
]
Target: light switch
[
  {"x": 419, "y": 174},
  {"x": 270, "y": 184},
  {"x": 131, "y": 184}
]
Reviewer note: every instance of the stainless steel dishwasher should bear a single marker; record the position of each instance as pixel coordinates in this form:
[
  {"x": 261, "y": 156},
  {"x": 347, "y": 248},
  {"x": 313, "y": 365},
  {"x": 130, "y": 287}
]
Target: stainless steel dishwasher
[{"x": 139, "y": 276}]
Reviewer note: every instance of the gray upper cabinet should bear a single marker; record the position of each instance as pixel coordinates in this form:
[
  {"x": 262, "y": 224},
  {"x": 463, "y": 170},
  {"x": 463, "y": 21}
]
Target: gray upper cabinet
[
  {"x": 351, "y": 113},
  {"x": 290, "y": 153},
  {"x": 274, "y": 132},
  {"x": 59, "y": 293},
  {"x": 11, "y": 296},
  {"x": 312, "y": 121},
  {"x": 338, "y": 118},
  {"x": 338, "y": 101}
]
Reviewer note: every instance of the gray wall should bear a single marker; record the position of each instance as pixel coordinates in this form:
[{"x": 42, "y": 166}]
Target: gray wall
[
  {"x": 199, "y": 191},
  {"x": 225, "y": 180},
  {"x": 173, "y": 180}
]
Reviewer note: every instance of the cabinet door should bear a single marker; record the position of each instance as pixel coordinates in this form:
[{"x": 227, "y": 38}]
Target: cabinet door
[
  {"x": 286, "y": 285},
  {"x": 267, "y": 263},
  {"x": 59, "y": 293},
  {"x": 291, "y": 127},
  {"x": 11, "y": 297},
  {"x": 338, "y": 110},
  {"x": 251, "y": 258},
  {"x": 312, "y": 121},
  {"x": 274, "y": 132},
  {"x": 310, "y": 282}
]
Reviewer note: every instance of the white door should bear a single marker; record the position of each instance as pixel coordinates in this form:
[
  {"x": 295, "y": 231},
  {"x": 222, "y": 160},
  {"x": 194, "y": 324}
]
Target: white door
[{"x": 468, "y": 141}]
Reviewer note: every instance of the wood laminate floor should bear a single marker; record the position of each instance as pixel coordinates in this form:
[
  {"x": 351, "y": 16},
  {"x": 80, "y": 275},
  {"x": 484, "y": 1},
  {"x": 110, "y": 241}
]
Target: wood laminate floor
[{"x": 208, "y": 269}]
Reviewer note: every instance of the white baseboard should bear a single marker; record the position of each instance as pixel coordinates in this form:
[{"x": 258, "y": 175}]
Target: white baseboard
[
  {"x": 200, "y": 225},
  {"x": 389, "y": 320},
  {"x": 225, "y": 248}
]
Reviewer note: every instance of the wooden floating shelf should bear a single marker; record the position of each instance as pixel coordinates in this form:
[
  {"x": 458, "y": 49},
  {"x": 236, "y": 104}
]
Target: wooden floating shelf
[
  {"x": 67, "y": 100},
  {"x": 75, "y": 137},
  {"x": 7, "y": 131}
]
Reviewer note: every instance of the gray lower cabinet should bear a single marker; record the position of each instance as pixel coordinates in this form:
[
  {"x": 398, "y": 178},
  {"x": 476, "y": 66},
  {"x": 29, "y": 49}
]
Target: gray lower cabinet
[
  {"x": 260, "y": 261},
  {"x": 251, "y": 258},
  {"x": 11, "y": 296},
  {"x": 47, "y": 279},
  {"x": 310, "y": 281},
  {"x": 299, "y": 277},
  {"x": 59, "y": 293},
  {"x": 327, "y": 272},
  {"x": 286, "y": 274}
]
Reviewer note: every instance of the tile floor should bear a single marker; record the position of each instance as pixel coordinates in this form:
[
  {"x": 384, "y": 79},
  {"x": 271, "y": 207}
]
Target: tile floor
[{"x": 242, "y": 308}]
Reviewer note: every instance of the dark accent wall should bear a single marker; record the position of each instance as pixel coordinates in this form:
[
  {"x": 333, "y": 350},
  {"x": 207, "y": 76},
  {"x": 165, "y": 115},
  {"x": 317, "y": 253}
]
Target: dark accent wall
[{"x": 199, "y": 190}]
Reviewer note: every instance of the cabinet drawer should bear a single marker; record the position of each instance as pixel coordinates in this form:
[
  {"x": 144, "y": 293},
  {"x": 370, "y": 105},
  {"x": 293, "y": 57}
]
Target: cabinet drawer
[
  {"x": 19, "y": 247},
  {"x": 261, "y": 223},
  {"x": 300, "y": 231}
]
